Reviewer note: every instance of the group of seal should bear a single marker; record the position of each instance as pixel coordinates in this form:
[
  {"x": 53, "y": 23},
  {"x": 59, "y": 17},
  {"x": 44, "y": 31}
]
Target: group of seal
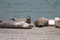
[
  {"x": 17, "y": 23},
  {"x": 24, "y": 23}
]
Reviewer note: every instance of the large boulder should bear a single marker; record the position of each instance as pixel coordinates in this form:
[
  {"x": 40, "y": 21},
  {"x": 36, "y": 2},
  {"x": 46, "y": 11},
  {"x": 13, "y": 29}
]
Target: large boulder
[{"x": 41, "y": 22}]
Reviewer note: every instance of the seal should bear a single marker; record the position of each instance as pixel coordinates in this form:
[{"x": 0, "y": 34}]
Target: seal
[
  {"x": 16, "y": 24},
  {"x": 27, "y": 19},
  {"x": 41, "y": 22}
]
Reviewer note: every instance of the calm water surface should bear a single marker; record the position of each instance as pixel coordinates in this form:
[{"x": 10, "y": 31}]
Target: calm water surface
[{"x": 33, "y": 8}]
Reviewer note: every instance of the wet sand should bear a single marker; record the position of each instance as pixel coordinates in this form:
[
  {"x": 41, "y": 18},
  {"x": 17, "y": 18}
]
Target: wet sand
[{"x": 36, "y": 33}]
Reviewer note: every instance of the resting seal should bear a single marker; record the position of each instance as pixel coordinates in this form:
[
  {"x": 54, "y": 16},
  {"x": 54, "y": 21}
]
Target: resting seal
[
  {"x": 27, "y": 19},
  {"x": 41, "y": 22},
  {"x": 16, "y": 24},
  {"x": 22, "y": 24}
]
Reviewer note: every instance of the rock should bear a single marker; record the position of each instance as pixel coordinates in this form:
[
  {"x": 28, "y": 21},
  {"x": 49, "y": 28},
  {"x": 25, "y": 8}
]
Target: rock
[{"x": 41, "y": 22}]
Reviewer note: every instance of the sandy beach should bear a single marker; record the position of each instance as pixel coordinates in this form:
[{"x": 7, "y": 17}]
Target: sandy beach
[{"x": 36, "y": 33}]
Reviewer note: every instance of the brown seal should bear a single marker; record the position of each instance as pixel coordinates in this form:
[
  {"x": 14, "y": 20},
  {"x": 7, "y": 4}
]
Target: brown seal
[
  {"x": 41, "y": 22},
  {"x": 28, "y": 19}
]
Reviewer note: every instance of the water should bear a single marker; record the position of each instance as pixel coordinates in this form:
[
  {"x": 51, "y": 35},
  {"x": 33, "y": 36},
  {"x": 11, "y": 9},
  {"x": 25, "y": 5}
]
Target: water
[{"x": 33, "y": 8}]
